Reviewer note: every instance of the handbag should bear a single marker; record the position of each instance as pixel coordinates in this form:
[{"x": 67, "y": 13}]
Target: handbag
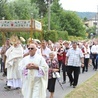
[{"x": 56, "y": 75}]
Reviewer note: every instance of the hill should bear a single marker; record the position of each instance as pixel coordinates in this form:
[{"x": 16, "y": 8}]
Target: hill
[{"x": 88, "y": 15}]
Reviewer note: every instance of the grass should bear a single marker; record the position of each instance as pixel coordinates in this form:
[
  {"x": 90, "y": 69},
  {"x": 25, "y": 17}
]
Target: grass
[{"x": 88, "y": 89}]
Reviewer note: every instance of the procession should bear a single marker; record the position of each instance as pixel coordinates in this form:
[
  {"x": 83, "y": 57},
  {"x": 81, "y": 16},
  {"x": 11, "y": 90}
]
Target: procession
[
  {"x": 35, "y": 67},
  {"x": 48, "y": 50}
]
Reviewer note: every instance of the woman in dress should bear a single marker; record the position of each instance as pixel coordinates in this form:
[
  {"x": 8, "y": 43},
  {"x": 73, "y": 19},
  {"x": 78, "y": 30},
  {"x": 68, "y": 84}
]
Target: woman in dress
[{"x": 53, "y": 67}]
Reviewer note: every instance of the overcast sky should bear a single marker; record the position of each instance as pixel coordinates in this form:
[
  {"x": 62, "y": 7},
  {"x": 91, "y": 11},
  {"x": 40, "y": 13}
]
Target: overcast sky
[{"x": 80, "y": 5}]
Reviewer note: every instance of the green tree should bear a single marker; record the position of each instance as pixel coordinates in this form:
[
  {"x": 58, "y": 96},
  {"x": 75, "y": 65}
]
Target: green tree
[
  {"x": 51, "y": 35},
  {"x": 4, "y": 10},
  {"x": 54, "y": 16},
  {"x": 18, "y": 9},
  {"x": 70, "y": 22},
  {"x": 64, "y": 20},
  {"x": 23, "y": 9},
  {"x": 63, "y": 35},
  {"x": 56, "y": 9},
  {"x": 91, "y": 30},
  {"x": 85, "y": 19},
  {"x": 42, "y": 5}
]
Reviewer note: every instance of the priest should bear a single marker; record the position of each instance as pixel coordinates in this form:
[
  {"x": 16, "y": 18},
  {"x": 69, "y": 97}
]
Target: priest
[{"x": 34, "y": 71}]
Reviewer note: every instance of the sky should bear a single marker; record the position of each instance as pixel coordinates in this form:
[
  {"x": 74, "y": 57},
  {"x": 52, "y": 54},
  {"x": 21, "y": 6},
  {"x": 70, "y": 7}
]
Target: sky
[{"x": 80, "y": 5}]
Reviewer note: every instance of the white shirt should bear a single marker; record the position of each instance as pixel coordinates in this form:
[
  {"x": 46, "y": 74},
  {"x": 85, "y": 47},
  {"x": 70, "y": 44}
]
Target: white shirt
[
  {"x": 87, "y": 52},
  {"x": 94, "y": 49},
  {"x": 46, "y": 51},
  {"x": 38, "y": 51},
  {"x": 74, "y": 57}
]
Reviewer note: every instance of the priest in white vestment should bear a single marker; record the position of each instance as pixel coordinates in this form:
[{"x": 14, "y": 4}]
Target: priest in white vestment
[
  {"x": 13, "y": 56},
  {"x": 34, "y": 74}
]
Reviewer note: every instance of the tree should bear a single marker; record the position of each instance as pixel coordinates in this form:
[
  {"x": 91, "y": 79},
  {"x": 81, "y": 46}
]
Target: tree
[
  {"x": 42, "y": 5},
  {"x": 63, "y": 35},
  {"x": 16, "y": 10},
  {"x": 65, "y": 20},
  {"x": 70, "y": 22},
  {"x": 24, "y": 12},
  {"x": 51, "y": 35},
  {"x": 85, "y": 19},
  {"x": 91, "y": 30},
  {"x": 54, "y": 16},
  {"x": 4, "y": 10}
]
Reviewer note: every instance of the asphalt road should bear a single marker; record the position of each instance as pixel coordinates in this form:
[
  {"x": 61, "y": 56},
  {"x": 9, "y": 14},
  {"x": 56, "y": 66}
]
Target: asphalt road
[{"x": 59, "y": 93}]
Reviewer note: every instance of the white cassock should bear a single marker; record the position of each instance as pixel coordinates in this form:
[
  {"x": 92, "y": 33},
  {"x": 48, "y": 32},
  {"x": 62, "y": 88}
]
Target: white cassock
[
  {"x": 34, "y": 81},
  {"x": 13, "y": 57}
]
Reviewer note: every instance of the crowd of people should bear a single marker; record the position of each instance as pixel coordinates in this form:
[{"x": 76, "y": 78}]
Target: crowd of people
[{"x": 32, "y": 67}]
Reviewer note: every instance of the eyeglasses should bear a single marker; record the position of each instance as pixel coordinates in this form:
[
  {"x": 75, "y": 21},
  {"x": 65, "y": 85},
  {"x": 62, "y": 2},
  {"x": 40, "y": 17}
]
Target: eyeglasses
[{"x": 30, "y": 48}]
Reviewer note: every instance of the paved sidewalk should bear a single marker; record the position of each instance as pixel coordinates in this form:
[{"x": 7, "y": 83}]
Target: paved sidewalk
[{"x": 59, "y": 93}]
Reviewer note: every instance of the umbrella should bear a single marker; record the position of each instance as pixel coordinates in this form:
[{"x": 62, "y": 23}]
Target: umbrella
[{"x": 59, "y": 81}]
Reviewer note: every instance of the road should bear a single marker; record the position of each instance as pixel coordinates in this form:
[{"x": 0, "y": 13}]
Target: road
[{"x": 59, "y": 93}]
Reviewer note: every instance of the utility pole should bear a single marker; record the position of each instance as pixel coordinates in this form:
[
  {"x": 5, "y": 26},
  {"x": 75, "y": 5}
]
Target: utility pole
[
  {"x": 42, "y": 26},
  {"x": 31, "y": 28},
  {"x": 49, "y": 14}
]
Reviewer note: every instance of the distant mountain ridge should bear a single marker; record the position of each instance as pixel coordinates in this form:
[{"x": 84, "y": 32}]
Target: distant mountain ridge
[{"x": 88, "y": 15}]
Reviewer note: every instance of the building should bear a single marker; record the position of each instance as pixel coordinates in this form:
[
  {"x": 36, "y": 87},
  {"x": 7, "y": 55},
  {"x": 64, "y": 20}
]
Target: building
[{"x": 92, "y": 22}]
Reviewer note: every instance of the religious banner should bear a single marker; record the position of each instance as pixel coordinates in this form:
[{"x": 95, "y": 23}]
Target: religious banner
[
  {"x": 20, "y": 25},
  {"x": 38, "y": 25}
]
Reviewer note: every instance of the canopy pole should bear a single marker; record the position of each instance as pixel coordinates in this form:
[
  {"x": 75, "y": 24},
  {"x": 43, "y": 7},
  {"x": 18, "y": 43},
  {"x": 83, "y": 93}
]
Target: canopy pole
[{"x": 3, "y": 37}]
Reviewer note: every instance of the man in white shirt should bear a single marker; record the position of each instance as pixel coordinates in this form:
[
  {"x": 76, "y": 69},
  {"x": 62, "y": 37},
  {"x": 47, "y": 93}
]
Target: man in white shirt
[
  {"x": 94, "y": 51},
  {"x": 74, "y": 58},
  {"x": 45, "y": 50}
]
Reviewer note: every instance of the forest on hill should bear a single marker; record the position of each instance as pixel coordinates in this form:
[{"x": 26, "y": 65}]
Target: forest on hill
[{"x": 88, "y": 15}]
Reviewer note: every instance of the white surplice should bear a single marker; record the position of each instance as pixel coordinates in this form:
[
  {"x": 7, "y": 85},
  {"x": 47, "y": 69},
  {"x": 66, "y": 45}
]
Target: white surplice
[
  {"x": 14, "y": 55},
  {"x": 35, "y": 81}
]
